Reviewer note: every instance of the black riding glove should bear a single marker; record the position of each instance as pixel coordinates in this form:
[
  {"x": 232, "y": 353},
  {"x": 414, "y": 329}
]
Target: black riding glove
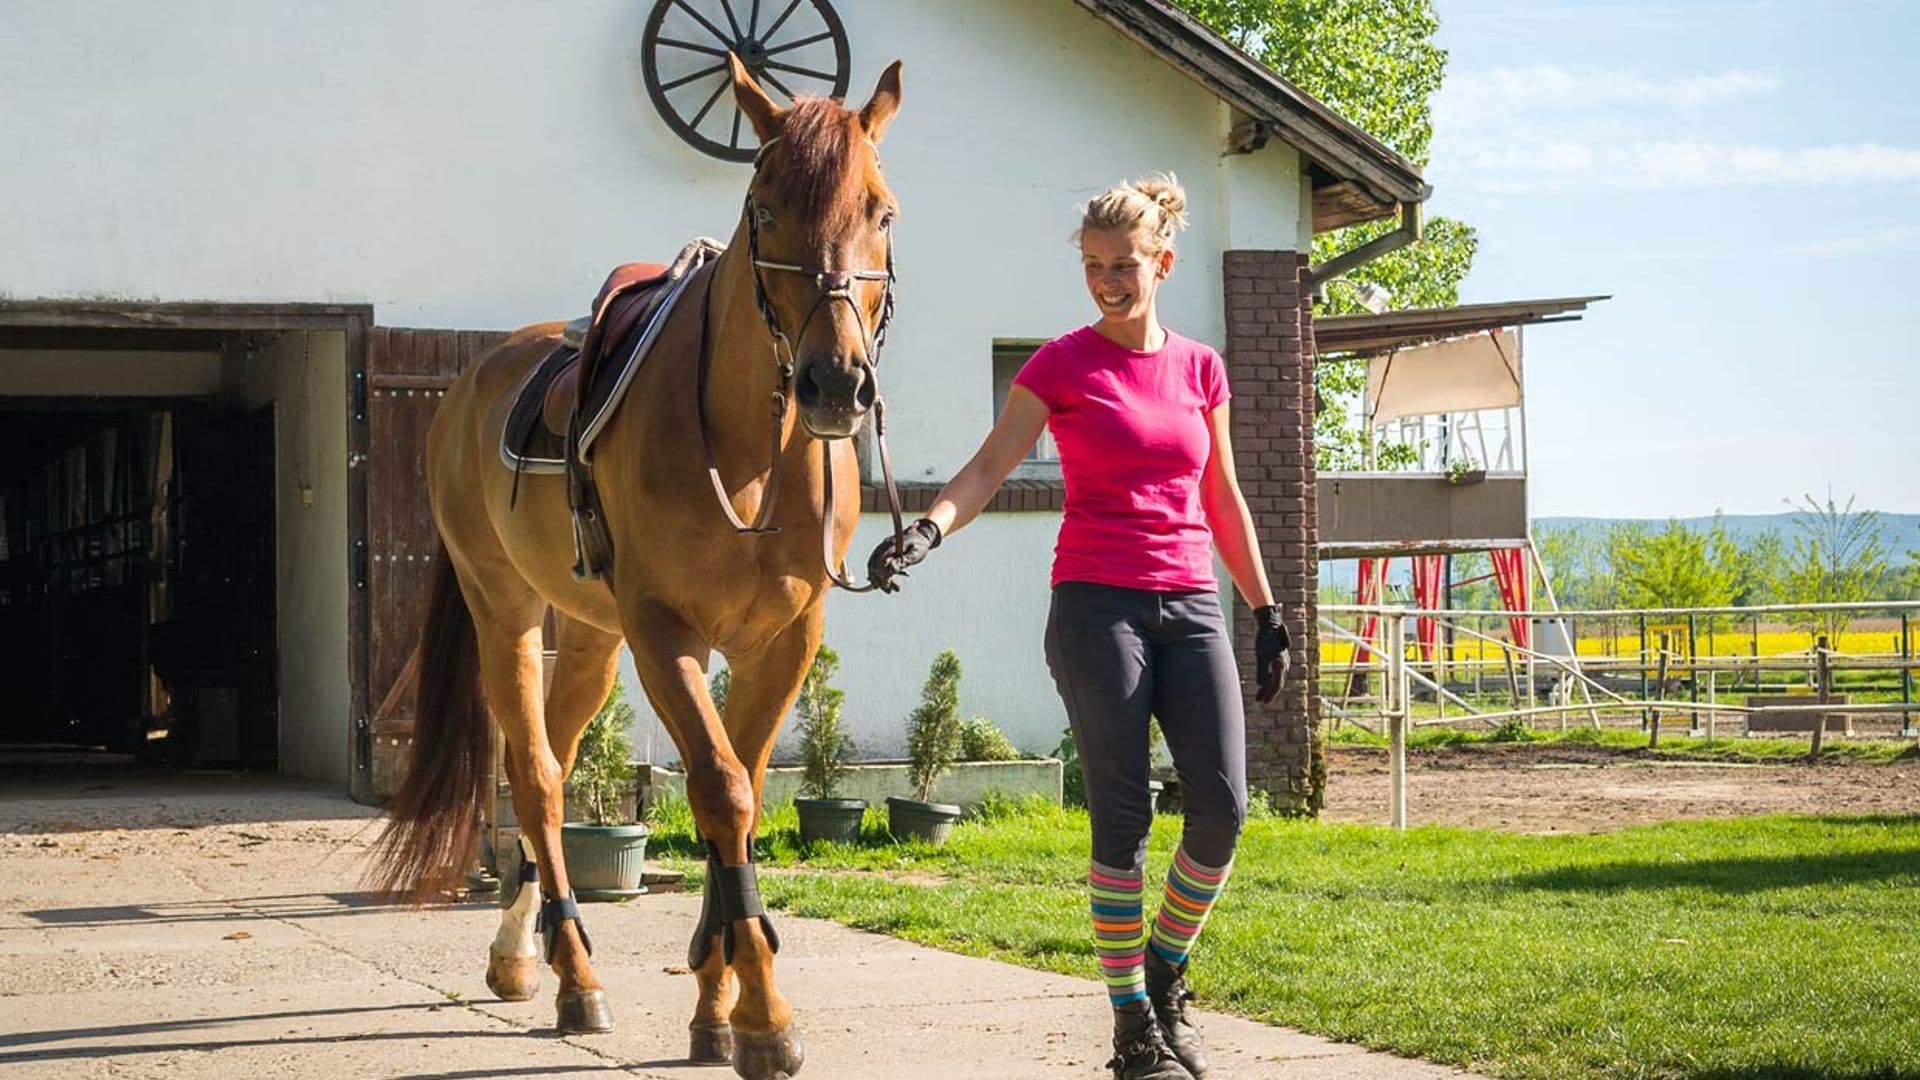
[
  {"x": 885, "y": 567},
  {"x": 1271, "y": 656}
]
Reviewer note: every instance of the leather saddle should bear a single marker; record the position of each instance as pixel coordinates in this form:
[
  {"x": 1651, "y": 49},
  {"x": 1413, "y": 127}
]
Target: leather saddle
[{"x": 567, "y": 399}]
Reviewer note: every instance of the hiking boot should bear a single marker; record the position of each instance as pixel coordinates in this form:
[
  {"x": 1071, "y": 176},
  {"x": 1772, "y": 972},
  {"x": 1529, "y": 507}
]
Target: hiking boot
[
  {"x": 1167, "y": 989},
  {"x": 1140, "y": 1051}
]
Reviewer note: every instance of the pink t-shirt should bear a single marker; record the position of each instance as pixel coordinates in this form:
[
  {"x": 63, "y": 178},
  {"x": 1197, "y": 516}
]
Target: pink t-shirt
[{"x": 1132, "y": 431}]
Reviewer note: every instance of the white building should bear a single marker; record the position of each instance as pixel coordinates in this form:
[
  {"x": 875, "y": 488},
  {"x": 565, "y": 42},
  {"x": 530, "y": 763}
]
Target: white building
[{"x": 212, "y": 210}]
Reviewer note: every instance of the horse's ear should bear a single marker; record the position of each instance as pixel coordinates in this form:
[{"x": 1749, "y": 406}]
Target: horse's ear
[
  {"x": 760, "y": 109},
  {"x": 878, "y": 113}
]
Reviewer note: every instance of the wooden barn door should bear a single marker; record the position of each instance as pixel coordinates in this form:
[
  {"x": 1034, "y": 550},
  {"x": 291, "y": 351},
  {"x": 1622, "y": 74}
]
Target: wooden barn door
[{"x": 406, "y": 373}]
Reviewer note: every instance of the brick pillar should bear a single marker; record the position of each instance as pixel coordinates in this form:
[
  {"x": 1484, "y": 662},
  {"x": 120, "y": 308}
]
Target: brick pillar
[{"x": 1270, "y": 360}]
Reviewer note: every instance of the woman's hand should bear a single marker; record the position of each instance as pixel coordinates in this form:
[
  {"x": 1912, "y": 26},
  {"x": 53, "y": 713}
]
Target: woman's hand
[
  {"x": 886, "y": 566},
  {"x": 1271, "y": 655}
]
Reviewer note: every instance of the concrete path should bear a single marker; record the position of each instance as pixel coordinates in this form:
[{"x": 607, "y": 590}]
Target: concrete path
[{"x": 182, "y": 927}]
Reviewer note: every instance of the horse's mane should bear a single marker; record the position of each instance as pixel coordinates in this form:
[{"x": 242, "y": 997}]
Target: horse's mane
[{"x": 812, "y": 168}]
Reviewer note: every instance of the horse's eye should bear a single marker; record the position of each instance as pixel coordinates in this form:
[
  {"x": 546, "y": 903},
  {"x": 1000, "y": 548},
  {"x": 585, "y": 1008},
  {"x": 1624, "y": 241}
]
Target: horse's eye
[
  {"x": 886, "y": 221},
  {"x": 763, "y": 217}
]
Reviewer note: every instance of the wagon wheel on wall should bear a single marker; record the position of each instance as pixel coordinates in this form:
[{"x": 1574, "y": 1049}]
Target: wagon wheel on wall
[{"x": 791, "y": 46}]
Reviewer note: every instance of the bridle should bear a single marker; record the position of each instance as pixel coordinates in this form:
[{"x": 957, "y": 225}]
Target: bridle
[{"x": 832, "y": 286}]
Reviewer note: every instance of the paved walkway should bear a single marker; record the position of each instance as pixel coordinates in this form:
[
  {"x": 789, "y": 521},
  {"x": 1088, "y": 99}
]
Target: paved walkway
[{"x": 185, "y": 927}]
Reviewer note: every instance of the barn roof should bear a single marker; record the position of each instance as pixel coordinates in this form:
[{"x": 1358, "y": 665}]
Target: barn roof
[{"x": 1355, "y": 176}]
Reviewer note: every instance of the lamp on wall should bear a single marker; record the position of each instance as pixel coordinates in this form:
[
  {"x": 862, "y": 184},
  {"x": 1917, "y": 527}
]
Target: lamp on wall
[{"x": 1369, "y": 295}]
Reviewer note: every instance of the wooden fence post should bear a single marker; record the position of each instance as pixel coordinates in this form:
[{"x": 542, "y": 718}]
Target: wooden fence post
[
  {"x": 1825, "y": 683},
  {"x": 1660, "y": 689}
]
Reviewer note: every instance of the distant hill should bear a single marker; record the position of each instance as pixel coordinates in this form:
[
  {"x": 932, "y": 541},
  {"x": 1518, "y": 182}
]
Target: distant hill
[{"x": 1902, "y": 530}]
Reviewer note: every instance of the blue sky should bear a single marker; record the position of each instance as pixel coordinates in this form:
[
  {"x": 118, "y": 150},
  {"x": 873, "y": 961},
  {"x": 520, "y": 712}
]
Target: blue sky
[{"x": 1743, "y": 176}]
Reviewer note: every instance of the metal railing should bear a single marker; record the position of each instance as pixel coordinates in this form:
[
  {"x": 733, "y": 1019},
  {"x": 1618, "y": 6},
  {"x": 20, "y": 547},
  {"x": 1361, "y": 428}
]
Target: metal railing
[{"x": 1596, "y": 688}]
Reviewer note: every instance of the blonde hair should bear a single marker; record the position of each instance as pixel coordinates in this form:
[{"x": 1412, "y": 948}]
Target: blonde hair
[{"x": 1155, "y": 204}]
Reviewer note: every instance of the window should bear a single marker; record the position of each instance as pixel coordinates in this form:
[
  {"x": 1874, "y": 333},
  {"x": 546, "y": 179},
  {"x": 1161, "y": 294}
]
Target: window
[{"x": 1008, "y": 356}]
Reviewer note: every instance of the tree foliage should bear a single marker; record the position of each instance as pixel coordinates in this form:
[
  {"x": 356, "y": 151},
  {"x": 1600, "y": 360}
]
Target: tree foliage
[
  {"x": 825, "y": 746},
  {"x": 603, "y": 765},
  {"x": 1677, "y": 567},
  {"x": 1839, "y": 555},
  {"x": 933, "y": 730},
  {"x": 1375, "y": 63}
]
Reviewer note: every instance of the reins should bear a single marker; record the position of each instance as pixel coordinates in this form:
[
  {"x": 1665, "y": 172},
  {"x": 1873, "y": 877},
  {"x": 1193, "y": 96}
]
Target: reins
[{"x": 833, "y": 286}]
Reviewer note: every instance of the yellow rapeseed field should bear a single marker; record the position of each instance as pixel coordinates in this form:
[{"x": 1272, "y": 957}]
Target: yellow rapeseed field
[{"x": 1867, "y": 638}]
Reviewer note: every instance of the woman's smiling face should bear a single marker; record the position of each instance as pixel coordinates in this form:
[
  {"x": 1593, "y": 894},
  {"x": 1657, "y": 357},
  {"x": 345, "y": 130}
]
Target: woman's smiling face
[{"x": 1123, "y": 271}]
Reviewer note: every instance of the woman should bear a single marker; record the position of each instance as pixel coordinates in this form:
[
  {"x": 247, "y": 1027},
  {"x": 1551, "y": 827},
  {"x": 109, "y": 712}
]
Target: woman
[{"x": 1139, "y": 414}]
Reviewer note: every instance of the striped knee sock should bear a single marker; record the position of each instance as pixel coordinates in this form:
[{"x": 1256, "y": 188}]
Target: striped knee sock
[
  {"x": 1119, "y": 934},
  {"x": 1191, "y": 891}
]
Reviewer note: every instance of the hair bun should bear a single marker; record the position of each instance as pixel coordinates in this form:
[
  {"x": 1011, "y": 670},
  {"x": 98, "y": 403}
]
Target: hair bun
[{"x": 1165, "y": 190}]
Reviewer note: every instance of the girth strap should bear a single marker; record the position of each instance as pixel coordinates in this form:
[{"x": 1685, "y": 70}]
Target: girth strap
[
  {"x": 553, "y": 912},
  {"x": 732, "y": 893}
]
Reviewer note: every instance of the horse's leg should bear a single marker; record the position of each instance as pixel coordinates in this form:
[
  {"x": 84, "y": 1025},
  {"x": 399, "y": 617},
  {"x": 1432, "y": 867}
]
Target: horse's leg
[
  {"x": 583, "y": 672},
  {"x": 509, "y": 636},
  {"x": 733, "y": 932}
]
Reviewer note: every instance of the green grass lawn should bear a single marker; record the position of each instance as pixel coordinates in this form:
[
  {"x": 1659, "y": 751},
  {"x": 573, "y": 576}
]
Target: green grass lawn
[
  {"x": 1672, "y": 744},
  {"x": 1770, "y": 947}
]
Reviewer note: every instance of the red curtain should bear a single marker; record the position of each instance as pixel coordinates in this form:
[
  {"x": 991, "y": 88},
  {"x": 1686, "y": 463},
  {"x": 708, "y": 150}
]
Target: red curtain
[
  {"x": 1428, "y": 573},
  {"x": 1516, "y": 587}
]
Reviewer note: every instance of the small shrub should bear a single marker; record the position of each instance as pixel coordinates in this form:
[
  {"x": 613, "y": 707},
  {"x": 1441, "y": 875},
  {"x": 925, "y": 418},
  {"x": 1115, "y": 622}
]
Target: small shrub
[
  {"x": 717, "y": 686},
  {"x": 1513, "y": 729},
  {"x": 603, "y": 766},
  {"x": 933, "y": 730},
  {"x": 1073, "y": 783},
  {"x": 980, "y": 740},
  {"x": 825, "y": 746}
]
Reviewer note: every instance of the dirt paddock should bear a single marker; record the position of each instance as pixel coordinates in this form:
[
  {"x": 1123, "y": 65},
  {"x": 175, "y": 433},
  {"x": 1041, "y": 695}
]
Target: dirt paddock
[{"x": 1540, "y": 789}]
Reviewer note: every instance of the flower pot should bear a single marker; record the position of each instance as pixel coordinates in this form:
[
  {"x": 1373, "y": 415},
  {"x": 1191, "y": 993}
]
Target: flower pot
[
  {"x": 604, "y": 862},
  {"x": 928, "y": 822},
  {"x": 1468, "y": 476},
  {"x": 837, "y": 820}
]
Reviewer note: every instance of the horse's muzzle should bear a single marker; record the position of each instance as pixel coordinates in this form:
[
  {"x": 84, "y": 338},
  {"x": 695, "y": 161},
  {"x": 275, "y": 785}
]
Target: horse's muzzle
[{"x": 834, "y": 396}]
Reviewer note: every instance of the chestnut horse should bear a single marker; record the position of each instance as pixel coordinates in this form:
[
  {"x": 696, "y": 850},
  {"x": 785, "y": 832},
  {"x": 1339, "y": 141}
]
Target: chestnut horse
[{"x": 793, "y": 307}]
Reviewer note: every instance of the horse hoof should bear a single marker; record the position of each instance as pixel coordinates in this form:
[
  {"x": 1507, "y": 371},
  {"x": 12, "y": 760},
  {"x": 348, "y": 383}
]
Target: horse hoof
[
  {"x": 513, "y": 978},
  {"x": 777, "y": 1055},
  {"x": 584, "y": 1013},
  {"x": 710, "y": 1044}
]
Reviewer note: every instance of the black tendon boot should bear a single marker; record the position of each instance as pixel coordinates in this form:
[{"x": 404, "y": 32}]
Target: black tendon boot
[
  {"x": 1140, "y": 1051},
  {"x": 1167, "y": 989}
]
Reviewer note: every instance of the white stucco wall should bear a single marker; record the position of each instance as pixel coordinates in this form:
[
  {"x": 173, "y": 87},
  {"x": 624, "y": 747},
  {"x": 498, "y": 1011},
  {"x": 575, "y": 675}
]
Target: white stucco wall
[
  {"x": 304, "y": 376},
  {"x": 394, "y": 154},
  {"x": 481, "y": 163}
]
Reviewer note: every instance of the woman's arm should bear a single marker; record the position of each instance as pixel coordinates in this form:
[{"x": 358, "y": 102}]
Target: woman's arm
[
  {"x": 1228, "y": 517},
  {"x": 1020, "y": 424}
]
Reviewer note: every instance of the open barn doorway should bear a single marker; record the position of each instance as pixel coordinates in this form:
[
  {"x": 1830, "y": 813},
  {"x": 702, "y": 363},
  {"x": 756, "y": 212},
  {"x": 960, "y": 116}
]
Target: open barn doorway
[
  {"x": 137, "y": 614},
  {"x": 175, "y": 578}
]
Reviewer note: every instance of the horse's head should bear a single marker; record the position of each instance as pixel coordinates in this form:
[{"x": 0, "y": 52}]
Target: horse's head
[{"x": 817, "y": 220}]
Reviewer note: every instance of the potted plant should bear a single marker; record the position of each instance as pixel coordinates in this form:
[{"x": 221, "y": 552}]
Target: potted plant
[
  {"x": 606, "y": 854},
  {"x": 825, "y": 748},
  {"x": 1464, "y": 470},
  {"x": 933, "y": 742}
]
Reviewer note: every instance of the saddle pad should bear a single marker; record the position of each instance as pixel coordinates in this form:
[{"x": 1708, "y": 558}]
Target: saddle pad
[
  {"x": 629, "y": 313},
  {"x": 528, "y": 443}
]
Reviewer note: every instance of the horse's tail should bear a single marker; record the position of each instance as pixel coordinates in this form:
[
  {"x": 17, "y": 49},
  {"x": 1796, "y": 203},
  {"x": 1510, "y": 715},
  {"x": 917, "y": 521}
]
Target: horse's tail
[{"x": 434, "y": 817}]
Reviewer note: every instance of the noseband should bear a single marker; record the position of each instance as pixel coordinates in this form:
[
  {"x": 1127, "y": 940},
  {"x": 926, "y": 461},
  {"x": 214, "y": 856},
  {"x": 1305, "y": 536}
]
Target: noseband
[{"x": 831, "y": 287}]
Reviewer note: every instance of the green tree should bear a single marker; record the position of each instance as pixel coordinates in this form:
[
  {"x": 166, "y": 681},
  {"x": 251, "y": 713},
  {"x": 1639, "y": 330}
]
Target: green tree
[
  {"x": 1374, "y": 62},
  {"x": 1839, "y": 556},
  {"x": 1676, "y": 567},
  {"x": 825, "y": 745},
  {"x": 933, "y": 730}
]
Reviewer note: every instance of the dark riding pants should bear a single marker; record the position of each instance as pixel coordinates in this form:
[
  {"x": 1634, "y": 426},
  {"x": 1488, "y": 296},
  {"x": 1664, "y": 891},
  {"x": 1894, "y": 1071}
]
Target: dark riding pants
[{"x": 1120, "y": 656}]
